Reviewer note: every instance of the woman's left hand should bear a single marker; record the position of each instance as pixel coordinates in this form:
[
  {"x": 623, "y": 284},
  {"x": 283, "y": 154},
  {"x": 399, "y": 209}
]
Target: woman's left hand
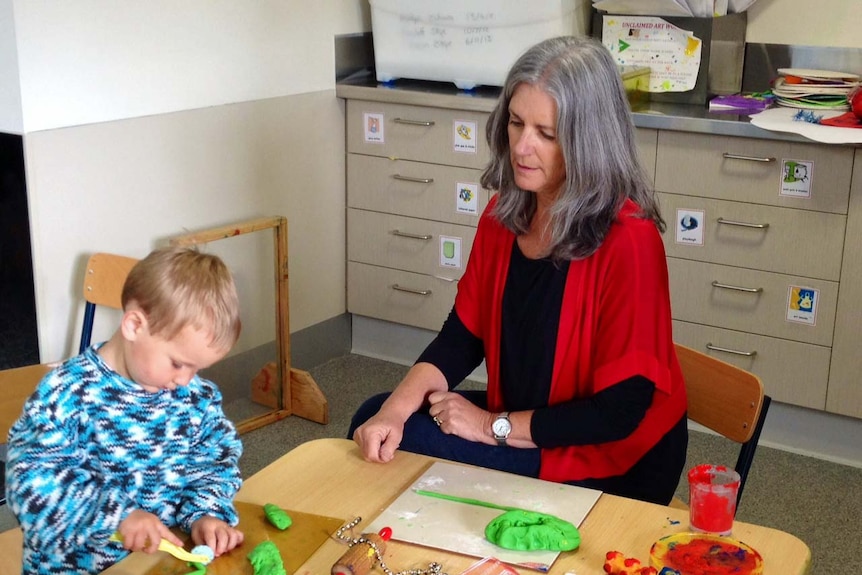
[{"x": 456, "y": 415}]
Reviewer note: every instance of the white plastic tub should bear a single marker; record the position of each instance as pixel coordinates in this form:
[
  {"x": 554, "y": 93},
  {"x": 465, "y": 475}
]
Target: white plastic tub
[{"x": 468, "y": 42}]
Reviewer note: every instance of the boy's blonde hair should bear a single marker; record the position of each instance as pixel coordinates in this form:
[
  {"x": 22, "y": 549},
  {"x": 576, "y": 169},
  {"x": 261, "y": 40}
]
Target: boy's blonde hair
[{"x": 180, "y": 286}]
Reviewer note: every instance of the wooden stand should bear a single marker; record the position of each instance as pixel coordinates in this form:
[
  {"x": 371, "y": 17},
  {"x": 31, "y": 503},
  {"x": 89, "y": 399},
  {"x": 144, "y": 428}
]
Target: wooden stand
[{"x": 287, "y": 391}]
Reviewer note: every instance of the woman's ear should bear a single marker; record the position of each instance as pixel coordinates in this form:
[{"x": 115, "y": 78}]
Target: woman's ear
[{"x": 133, "y": 324}]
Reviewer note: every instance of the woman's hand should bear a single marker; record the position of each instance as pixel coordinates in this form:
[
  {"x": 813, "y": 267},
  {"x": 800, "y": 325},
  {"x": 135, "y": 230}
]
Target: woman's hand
[
  {"x": 458, "y": 416},
  {"x": 379, "y": 437},
  {"x": 143, "y": 531},
  {"x": 216, "y": 534}
]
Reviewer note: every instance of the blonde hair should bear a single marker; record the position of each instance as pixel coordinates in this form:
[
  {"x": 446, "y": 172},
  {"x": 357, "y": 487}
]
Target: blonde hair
[{"x": 180, "y": 286}]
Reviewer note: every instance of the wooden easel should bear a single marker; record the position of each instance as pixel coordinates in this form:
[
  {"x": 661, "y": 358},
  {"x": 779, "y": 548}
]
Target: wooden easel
[{"x": 286, "y": 390}]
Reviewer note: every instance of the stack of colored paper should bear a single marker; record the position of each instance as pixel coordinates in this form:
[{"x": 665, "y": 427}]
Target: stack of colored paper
[{"x": 813, "y": 89}]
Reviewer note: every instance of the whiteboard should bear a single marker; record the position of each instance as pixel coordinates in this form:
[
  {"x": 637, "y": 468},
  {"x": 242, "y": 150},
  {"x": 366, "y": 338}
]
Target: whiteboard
[{"x": 460, "y": 527}]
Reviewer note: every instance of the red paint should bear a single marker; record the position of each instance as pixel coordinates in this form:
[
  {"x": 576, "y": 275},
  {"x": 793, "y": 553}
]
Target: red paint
[
  {"x": 710, "y": 557},
  {"x": 712, "y": 504}
]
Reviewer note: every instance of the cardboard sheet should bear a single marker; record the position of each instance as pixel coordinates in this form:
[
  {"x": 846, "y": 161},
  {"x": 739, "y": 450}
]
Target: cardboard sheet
[
  {"x": 296, "y": 543},
  {"x": 460, "y": 527}
]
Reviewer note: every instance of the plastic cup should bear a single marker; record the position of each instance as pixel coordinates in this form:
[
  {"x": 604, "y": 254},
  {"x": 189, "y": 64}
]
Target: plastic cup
[{"x": 712, "y": 498}]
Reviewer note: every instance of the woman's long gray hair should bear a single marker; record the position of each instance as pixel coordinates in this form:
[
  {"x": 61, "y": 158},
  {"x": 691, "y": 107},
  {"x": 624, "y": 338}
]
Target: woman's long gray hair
[{"x": 596, "y": 136}]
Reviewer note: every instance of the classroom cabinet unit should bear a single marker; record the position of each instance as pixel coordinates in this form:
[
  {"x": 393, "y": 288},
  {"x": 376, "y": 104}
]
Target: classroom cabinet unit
[{"x": 764, "y": 237}]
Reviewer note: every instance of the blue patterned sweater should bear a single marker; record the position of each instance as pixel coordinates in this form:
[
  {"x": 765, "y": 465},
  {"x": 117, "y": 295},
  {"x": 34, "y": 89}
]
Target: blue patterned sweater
[{"x": 91, "y": 446}]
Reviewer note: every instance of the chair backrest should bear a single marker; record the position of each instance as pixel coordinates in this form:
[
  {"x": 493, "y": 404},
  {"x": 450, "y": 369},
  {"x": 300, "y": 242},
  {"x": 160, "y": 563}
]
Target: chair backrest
[
  {"x": 728, "y": 400},
  {"x": 103, "y": 285}
]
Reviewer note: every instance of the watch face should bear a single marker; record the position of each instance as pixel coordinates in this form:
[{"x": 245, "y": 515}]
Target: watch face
[{"x": 502, "y": 427}]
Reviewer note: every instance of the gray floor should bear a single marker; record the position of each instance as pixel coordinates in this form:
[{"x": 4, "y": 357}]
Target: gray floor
[{"x": 818, "y": 501}]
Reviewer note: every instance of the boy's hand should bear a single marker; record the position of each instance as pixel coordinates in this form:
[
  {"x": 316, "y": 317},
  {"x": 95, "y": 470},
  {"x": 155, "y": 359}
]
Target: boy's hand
[
  {"x": 142, "y": 531},
  {"x": 216, "y": 534}
]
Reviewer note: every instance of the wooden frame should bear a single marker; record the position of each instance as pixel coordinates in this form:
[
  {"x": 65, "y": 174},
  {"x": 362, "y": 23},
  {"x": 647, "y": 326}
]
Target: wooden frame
[{"x": 288, "y": 391}]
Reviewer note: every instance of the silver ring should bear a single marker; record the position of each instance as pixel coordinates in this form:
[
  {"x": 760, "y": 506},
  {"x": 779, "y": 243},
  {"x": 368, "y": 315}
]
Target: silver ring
[{"x": 437, "y": 421}]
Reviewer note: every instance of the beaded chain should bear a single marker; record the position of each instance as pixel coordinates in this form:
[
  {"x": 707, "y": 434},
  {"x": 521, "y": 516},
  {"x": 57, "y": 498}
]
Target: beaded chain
[{"x": 433, "y": 568}]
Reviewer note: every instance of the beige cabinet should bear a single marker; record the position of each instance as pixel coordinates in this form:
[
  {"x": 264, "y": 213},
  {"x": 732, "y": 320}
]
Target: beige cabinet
[
  {"x": 413, "y": 203},
  {"x": 755, "y": 245}
]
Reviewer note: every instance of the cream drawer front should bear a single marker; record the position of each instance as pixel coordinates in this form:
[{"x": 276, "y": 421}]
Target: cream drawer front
[
  {"x": 645, "y": 140},
  {"x": 403, "y": 297},
  {"x": 418, "y": 133},
  {"x": 792, "y": 372},
  {"x": 694, "y": 298},
  {"x": 795, "y": 242},
  {"x": 738, "y": 169},
  {"x": 407, "y": 244},
  {"x": 415, "y": 189}
]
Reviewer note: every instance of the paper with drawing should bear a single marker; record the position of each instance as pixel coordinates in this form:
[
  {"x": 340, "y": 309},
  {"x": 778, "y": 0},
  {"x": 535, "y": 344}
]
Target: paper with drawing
[{"x": 460, "y": 527}]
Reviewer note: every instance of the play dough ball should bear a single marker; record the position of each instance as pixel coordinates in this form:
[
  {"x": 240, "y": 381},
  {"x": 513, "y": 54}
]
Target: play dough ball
[
  {"x": 266, "y": 560},
  {"x": 204, "y": 550},
  {"x": 531, "y": 531},
  {"x": 277, "y": 516}
]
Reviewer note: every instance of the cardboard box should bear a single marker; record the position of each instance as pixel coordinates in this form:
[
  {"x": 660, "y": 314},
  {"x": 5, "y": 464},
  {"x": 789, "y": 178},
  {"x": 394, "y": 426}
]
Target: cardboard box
[
  {"x": 468, "y": 42},
  {"x": 722, "y": 55}
]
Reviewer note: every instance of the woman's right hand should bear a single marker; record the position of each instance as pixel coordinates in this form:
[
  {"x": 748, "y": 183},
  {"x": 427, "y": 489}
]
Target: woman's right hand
[{"x": 379, "y": 437}]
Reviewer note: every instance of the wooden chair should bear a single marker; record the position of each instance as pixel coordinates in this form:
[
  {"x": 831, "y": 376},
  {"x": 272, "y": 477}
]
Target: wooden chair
[
  {"x": 103, "y": 286},
  {"x": 726, "y": 399}
]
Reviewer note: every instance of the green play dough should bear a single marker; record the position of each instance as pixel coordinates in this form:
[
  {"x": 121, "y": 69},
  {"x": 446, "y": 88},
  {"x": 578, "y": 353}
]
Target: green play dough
[
  {"x": 277, "y": 516},
  {"x": 531, "y": 531},
  {"x": 266, "y": 560}
]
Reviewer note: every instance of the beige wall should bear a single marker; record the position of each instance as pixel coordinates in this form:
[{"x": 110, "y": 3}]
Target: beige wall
[{"x": 806, "y": 22}]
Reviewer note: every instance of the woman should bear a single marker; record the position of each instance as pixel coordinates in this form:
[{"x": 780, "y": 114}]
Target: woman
[{"x": 565, "y": 297}]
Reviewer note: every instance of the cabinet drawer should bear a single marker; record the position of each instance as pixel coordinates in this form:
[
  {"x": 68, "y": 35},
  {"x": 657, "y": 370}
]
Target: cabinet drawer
[
  {"x": 414, "y": 189},
  {"x": 403, "y": 297},
  {"x": 796, "y": 242},
  {"x": 418, "y": 133},
  {"x": 409, "y": 244},
  {"x": 696, "y": 164},
  {"x": 792, "y": 372},
  {"x": 645, "y": 140},
  {"x": 695, "y": 298}
]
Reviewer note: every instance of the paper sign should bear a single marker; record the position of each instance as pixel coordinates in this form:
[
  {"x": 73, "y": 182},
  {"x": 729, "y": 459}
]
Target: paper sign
[
  {"x": 671, "y": 53},
  {"x": 373, "y": 128},
  {"x": 464, "y": 137},
  {"x": 689, "y": 227},
  {"x": 796, "y": 177},
  {"x": 467, "y": 198},
  {"x": 802, "y": 305},
  {"x": 450, "y": 252}
]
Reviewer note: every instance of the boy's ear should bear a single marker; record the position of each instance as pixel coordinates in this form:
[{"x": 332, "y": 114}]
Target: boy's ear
[{"x": 133, "y": 323}]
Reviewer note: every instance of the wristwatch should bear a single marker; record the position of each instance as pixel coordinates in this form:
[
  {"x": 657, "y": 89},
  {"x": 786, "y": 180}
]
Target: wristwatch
[{"x": 501, "y": 428}]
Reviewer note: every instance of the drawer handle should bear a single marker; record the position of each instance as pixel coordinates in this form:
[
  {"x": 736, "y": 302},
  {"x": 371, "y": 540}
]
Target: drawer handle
[
  {"x": 412, "y": 179},
  {"x": 736, "y": 288},
  {"x": 742, "y": 224},
  {"x": 427, "y": 124},
  {"x": 733, "y": 351},
  {"x": 411, "y": 290},
  {"x": 730, "y": 156},
  {"x": 401, "y": 234}
]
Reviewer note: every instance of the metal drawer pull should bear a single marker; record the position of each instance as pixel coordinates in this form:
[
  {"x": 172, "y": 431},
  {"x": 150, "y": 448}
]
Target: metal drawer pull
[
  {"x": 413, "y": 122},
  {"x": 736, "y": 288},
  {"x": 412, "y": 179},
  {"x": 730, "y": 156},
  {"x": 742, "y": 224},
  {"x": 401, "y": 234},
  {"x": 733, "y": 351},
  {"x": 411, "y": 290}
]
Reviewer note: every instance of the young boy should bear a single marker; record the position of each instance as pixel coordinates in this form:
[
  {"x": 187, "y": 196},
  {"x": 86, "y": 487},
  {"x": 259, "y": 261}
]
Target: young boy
[{"x": 126, "y": 437}]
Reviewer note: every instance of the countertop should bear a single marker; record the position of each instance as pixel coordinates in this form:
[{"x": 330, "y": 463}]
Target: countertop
[{"x": 662, "y": 116}]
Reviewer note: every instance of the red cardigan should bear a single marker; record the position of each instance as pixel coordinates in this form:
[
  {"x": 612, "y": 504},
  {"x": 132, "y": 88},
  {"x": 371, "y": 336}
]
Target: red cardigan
[{"x": 615, "y": 323}]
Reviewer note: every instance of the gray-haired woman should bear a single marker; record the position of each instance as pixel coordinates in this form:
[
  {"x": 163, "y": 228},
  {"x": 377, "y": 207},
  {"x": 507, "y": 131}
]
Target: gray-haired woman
[{"x": 565, "y": 297}]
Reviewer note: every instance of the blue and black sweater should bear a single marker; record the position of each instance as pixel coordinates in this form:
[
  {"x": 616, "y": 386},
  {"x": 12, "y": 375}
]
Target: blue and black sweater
[{"x": 92, "y": 446}]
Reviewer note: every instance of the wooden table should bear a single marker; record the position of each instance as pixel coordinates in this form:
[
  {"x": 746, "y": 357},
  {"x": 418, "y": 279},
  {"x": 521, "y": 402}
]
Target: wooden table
[{"x": 329, "y": 477}]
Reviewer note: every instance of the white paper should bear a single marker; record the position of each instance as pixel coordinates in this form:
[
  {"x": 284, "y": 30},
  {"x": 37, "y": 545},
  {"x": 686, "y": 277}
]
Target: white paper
[
  {"x": 781, "y": 120},
  {"x": 644, "y": 7},
  {"x": 736, "y": 6}
]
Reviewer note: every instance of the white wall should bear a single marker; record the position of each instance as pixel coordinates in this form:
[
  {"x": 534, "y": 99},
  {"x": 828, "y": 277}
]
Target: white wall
[
  {"x": 11, "y": 119},
  {"x": 142, "y": 120},
  {"x": 806, "y": 23}
]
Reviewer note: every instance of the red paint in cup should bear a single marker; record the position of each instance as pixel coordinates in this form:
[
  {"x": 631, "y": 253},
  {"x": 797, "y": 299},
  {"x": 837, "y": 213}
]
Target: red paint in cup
[{"x": 712, "y": 498}]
